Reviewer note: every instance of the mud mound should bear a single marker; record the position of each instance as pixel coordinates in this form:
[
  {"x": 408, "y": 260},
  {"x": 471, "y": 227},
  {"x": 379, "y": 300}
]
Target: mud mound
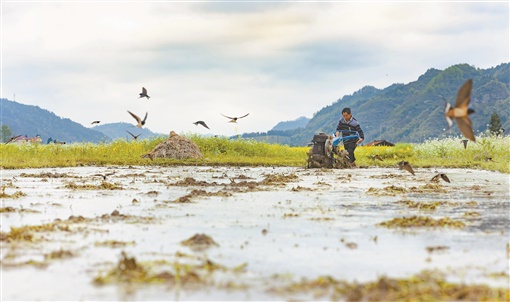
[{"x": 175, "y": 146}]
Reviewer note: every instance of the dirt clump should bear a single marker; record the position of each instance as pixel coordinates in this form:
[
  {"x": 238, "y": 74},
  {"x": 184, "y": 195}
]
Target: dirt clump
[
  {"x": 195, "y": 193},
  {"x": 190, "y": 181},
  {"x": 387, "y": 191},
  {"x": 16, "y": 194},
  {"x": 279, "y": 179},
  {"x": 199, "y": 242},
  {"x": 46, "y": 175},
  {"x": 177, "y": 147},
  {"x": 422, "y": 221},
  {"x": 427, "y": 285}
]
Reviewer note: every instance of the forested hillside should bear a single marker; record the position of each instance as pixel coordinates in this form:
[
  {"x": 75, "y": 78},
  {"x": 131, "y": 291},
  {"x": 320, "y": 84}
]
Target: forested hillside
[
  {"x": 290, "y": 125},
  {"x": 32, "y": 120},
  {"x": 414, "y": 112}
]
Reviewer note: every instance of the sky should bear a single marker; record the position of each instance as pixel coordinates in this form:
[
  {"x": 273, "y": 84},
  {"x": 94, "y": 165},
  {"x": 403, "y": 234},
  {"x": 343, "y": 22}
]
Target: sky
[{"x": 276, "y": 60}]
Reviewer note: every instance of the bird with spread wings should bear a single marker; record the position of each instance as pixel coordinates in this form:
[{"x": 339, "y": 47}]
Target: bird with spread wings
[
  {"x": 234, "y": 119},
  {"x": 461, "y": 111},
  {"x": 138, "y": 119}
]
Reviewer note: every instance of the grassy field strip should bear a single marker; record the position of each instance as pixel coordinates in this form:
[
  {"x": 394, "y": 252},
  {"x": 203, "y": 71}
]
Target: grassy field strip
[{"x": 489, "y": 152}]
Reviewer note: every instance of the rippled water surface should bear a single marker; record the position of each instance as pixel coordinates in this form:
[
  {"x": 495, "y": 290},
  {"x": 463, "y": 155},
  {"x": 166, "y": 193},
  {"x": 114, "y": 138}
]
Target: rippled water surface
[{"x": 271, "y": 226}]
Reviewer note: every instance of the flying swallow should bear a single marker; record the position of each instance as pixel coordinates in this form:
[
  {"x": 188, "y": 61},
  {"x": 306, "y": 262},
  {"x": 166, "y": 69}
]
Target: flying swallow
[
  {"x": 134, "y": 136},
  {"x": 377, "y": 157},
  {"x": 405, "y": 165},
  {"x": 201, "y": 123},
  {"x": 104, "y": 175},
  {"x": 461, "y": 111},
  {"x": 464, "y": 141},
  {"x": 12, "y": 139},
  {"x": 140, "y": 121},
  {"x": 95, "y": 122},
  {"x": 144, "y": 94},
  {"x": 440, "y": 175},
  {"x": 234, "y": 119}
]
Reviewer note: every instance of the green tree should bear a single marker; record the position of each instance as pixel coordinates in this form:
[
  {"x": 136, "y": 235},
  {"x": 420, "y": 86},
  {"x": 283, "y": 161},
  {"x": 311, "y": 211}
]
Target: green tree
[
  {"x": 495, "y": 124},
  {"x": 6, "y": 133}
]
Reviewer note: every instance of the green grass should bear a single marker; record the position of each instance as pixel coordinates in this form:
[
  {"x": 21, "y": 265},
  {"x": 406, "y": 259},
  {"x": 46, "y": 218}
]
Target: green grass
[
  {"x": 489, "y": 152},
  {"x": 215, "y": 151},
  {"x": 223, "y": 151}
]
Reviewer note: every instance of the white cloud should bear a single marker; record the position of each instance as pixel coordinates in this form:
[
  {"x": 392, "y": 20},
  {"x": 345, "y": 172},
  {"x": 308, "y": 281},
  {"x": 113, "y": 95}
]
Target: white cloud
[{"x": 277, "y": 61}]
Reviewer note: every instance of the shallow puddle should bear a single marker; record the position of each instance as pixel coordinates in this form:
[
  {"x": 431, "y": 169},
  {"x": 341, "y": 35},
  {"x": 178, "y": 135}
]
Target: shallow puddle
[{"x": 68, "y": 233}]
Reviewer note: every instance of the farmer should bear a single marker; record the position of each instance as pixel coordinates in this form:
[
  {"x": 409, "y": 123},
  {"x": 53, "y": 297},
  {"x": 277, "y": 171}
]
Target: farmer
[{"x": 348, "y": 125}]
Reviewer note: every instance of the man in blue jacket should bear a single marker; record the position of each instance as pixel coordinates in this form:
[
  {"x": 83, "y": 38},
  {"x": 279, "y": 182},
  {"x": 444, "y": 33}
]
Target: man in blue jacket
[{"x": 348, "y": 126}]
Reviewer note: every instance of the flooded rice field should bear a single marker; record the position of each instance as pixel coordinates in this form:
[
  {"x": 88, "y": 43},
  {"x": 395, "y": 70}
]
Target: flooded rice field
[{"x": 224, "y": 233}]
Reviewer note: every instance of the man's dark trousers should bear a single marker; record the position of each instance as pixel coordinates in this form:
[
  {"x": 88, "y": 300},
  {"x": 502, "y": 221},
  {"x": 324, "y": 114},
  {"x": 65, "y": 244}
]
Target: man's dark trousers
[{"x": 350, "y": 146}]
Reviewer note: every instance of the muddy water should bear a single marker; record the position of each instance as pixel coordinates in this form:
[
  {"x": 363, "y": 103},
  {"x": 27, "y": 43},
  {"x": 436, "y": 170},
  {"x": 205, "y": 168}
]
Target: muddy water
[{"x": 271, "y": 226}]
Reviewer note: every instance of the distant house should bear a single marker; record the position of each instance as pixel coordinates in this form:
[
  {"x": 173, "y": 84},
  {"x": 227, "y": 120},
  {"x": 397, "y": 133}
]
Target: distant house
[
  {"x": 380, "y": 142},
  {"x": 25, "y": 139}
]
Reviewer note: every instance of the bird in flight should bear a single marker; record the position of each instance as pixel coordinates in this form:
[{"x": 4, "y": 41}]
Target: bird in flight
[
  {"x": 95, "y": 122},
  {"x": 144, "y": 94},
  {"x": 377, "y": 157},
  {"x": 461, "y": 111},
  {"x": 234, "y": 119},
  {"x": 201, "y": 123},
  {"x": 134, "y": 136},
  {"x": 12, "y": 139},
  {"x": 139, "y": 120},
  {"x": 440, "y": 175},
  {"x": 405, "y": 165},
  {"x": 104, "y": 175}
]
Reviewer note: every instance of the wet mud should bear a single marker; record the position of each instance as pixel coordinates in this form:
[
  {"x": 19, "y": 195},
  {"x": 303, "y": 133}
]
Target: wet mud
[{"x": 258, "y": 233}]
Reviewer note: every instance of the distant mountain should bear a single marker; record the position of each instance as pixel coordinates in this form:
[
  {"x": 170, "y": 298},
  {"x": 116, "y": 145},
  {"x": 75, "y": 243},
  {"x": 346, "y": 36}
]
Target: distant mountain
[
  {"x": 409, "y": 112},
  {"x": 32, "y": 120},
  {"x": 280, "y": 134},
  {"x": 281, "y": 137},
  {"x": 119, "y": 130},
  {"x": 414, "y": 112},
  {"x": 300, "y": 122}
]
